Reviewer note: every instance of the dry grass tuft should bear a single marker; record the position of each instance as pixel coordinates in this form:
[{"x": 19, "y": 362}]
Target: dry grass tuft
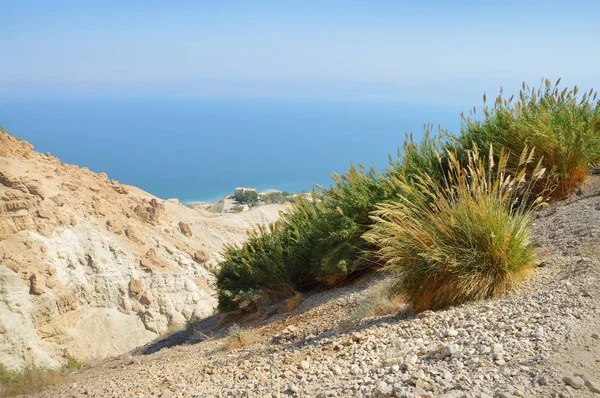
[
  {"x": 28, "y": 381},
  {"x": 381, "y": 300},
  {"x": 390, "y": 306},
  {"x": 468, "y": 241},
  {"x": 292, "y": 303},
  {"x": 240, "y": 338}
]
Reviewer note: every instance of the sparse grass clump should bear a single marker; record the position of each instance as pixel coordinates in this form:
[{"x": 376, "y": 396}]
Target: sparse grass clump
[
  {"x": 239, "y": 338},
  {"x": 563, "y": 129},
  {"x": 293, "y": 302},
  {"x": 381, "y": 300},
  {"x": 29, "y": 380},
  {"x": 469, "y": 240},
  {"x": 73, "y": 363}
]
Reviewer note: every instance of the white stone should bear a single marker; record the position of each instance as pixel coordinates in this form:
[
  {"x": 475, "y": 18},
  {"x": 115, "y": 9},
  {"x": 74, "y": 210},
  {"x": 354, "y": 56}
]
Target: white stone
[
  {"x": 304, "y": 365},
  {"x": 451, "y": 333},
  {"x": 593, "y": 386},
  {"x": 450, "y": 350},
  {"x": 574, "y": 381}
]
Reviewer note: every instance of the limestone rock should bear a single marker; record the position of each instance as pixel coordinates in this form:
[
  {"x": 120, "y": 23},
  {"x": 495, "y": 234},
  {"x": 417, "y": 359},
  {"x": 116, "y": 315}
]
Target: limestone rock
[
  {"x": 71, "y": 278},
  {"x": 574, "y": 381},
  {"x": 36, "y": 284},
  {"x": 136, "y": 287},
  {"x": 200, "y": 256},
  {"x": 149, "y": 214},
  {"x": 185, "y": 229},
  {"x": 450, "y": 350},
  {"x": 593, "y": 386},
  {"x": 147, "y": 299},
  {"x": 43, "y": 214},
  {"x": 304, "y": 365}
]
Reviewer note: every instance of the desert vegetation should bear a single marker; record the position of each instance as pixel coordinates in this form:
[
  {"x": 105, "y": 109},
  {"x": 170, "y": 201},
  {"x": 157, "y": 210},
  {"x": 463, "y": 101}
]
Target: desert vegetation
[
  {"x": 470, "y": 240},
  {"x": 30, "y": 380},
  {"x": 564, "y": 130},
  {"x": 239, "y": 337},
  {"x": 277, "y": 197},
  {"x": 247, "y": 197},
  {"x": 450, "y": 216}
]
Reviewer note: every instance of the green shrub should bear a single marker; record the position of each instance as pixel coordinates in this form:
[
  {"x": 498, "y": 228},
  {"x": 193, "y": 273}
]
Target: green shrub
[
  {"x": 563, "y": 129},
  {"x": 320, "y": 242},
  {"x": 272, "y": 261},
  {"x": 466, "y": 240},
  {"x": 323, "y": 241},
  {"x": 247, "y": 197}
]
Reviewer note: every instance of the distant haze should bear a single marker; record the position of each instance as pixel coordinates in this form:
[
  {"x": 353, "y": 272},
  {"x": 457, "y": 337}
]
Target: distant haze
[{"x": 440, "y": 52}]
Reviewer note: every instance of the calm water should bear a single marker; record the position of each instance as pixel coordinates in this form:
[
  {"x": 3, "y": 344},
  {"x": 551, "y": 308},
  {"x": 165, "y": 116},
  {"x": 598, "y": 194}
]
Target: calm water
[{"x": 201, "y": 149}]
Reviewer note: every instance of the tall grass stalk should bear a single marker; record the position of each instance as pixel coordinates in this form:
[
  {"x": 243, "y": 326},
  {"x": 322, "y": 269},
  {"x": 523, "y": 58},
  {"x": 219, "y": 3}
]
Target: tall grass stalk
[
  {"x": 467, "y": 239},
  {"x": 563, "y": 128}
]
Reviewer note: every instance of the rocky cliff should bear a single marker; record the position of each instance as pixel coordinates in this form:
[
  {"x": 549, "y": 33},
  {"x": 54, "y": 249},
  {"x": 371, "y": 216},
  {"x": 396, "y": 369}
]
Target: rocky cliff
[{"x": 90, "y": 267}]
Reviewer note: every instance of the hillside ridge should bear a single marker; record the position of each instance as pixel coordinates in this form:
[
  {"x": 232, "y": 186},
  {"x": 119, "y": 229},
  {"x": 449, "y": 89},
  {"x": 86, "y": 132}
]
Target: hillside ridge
[
  {"x": 539, "y": 340},
  {"x": 91, "y": 268}
]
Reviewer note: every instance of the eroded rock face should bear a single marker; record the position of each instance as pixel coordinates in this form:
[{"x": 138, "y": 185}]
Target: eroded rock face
[{"x": 90, "y": 268}]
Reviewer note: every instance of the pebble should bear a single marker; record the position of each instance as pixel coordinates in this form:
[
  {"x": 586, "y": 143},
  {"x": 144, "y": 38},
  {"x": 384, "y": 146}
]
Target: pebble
[
  {"x": 450, "y": 350},
  {"x": 305, "y": 365},
  {"x": 411, "y": 359},
  {"x": 574, "y": 381},
  {"x": 593, "y": 386},
  {"x": 451, "y": 333}
]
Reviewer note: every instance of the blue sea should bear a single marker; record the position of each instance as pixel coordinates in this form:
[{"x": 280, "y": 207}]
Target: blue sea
[{"x": 201, "y": 149}]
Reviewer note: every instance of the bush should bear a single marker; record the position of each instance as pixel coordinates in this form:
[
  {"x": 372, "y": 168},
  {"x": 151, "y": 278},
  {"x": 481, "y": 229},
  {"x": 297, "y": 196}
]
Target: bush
[
  {"x": 272, "y": 261},
  {"x": 324, "y": 241},
  {"x": 563, "y": 130},
  {"x": 320, "y": 242},
  {"x": 247, "y": 197},
  {"x": 467, "y": 240}
]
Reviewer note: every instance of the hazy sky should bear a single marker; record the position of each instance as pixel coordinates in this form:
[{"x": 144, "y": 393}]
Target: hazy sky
[{"x": 425, "y": 51}]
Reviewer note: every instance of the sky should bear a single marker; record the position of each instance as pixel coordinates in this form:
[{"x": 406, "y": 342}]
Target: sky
[{"x": 409, "y": 51}]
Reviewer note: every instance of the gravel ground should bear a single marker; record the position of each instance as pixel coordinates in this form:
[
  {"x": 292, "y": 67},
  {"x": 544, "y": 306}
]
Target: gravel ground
[{"x": 541, "y": 340}]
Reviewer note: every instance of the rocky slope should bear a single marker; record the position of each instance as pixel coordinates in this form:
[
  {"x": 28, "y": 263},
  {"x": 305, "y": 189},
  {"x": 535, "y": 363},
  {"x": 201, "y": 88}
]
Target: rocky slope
[
  {"x": 539, "y": 341},
  {"x": 91, "y": 268}
]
